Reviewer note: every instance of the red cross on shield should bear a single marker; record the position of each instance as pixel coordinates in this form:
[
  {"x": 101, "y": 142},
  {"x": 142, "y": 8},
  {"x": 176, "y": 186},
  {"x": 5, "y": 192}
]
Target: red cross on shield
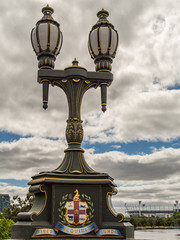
[{"x": 76, "y": 212}]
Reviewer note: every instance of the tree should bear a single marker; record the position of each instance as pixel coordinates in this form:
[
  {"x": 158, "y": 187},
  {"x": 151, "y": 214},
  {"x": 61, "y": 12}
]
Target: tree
[
  {"x": 151, "y": 221},
  {"x": 144, "y": 222},
  {"x": 159, "y": 221},
  {"x": 176, "y": 217},
  {"x": 5, "y": 228},
  {"x": 18, "y": 205}
]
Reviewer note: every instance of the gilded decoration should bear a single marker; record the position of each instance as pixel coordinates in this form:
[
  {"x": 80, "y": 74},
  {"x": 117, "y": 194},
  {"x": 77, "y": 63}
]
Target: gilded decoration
[
  {"x": 76, "y": 211},
  {"x": 74, "y": 130}
]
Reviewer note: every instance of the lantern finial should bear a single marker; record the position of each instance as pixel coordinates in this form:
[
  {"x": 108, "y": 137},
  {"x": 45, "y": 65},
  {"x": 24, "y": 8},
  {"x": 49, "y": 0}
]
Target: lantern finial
[
  {"x": 103, "y": 13},
  {"x": 47, "y": 11},
  {"x": 75, "y": 62}
]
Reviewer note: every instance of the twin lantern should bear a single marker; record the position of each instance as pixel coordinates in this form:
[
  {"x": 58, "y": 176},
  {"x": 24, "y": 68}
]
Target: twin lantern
[{"x": 47, "y": 41}]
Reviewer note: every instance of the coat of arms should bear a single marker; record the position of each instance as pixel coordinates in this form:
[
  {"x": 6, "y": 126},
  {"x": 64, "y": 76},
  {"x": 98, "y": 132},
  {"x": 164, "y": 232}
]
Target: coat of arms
[{"x": 76, "y": 212}]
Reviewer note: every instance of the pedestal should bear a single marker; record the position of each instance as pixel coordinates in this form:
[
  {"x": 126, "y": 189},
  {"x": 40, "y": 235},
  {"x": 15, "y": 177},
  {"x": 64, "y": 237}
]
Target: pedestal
[{"x": 71, "y": 206}]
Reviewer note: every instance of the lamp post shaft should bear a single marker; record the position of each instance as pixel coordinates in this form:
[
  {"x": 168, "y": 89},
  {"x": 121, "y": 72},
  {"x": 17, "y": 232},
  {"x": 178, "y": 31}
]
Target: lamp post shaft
[{"x": 74, "y": 81}]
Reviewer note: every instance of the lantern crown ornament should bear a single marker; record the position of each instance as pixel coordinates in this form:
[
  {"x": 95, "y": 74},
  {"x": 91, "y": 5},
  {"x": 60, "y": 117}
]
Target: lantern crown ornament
[
  {"x": 103, "y": 42},
  {"x": 46, "y": 39}
]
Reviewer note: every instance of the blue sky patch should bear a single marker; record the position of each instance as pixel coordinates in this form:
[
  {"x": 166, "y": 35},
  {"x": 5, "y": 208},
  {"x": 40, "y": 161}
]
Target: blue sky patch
[
  {"x": 174, "y": 87},
  {"x": 14, "y": 182},
  {"x": 132, "y": 148},
  {"x": 9, "y": 137}
]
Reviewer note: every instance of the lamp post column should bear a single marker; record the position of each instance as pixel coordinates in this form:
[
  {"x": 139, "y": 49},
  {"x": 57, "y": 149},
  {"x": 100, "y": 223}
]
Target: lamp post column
[
  {"x": 74, "y": 88},
  {"x": 75, "y": 81}
]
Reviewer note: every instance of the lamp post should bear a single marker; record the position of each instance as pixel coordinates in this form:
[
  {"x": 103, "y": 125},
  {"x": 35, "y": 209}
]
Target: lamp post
[
  {"x": 140, "y": 208},
  {"x": 73, "y": 199},
  {"x": 177, "y": 209}
]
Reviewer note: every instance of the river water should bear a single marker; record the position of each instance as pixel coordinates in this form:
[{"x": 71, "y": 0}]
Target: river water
[{"x": 158, "y": 234}]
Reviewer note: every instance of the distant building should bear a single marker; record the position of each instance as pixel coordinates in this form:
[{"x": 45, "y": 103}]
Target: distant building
[
  {"x": 148, "y": 210},
  {"x": 4, "y": 201}
]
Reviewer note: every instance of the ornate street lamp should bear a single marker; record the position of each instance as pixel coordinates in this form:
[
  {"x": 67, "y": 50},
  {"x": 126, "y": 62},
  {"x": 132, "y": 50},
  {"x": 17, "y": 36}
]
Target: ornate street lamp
[
  {"x": 55, "y": 211},
  {"x": 46, "y": 39},
  {"x": 177, "y": 205},
  {"x": 140, "y": 208},
  {"x": 103, "y": 43}
]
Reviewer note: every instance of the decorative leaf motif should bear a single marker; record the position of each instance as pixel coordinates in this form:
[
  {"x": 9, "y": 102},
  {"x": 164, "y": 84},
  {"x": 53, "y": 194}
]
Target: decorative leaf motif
[{"x": 61, "y": 208}]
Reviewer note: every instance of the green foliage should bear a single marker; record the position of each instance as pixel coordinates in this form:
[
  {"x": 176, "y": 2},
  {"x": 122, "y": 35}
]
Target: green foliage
[
  {"x": 176, "y": 217},
  {"x": 171, "y": 221},
  {"x": 151, "y": 221},
  {"x": 9, "y": 216},
  {"x": 160, "y": 221},
  {"x": 5, "y": 228},
  {"x": 156, "y": 221},
  {"x": 18, "y": 205}
]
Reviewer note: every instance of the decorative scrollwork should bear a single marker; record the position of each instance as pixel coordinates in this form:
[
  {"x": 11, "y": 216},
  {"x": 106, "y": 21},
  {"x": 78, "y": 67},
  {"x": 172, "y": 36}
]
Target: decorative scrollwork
[{"x": 74, "y": 130}]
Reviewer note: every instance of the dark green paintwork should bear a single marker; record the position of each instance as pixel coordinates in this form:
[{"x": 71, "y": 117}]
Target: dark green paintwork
[
  {"x": 74, "y": 81},
  {"x": 73, "y": 173}
]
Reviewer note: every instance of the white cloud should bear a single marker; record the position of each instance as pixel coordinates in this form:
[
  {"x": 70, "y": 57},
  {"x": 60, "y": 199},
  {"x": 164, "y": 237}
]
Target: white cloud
[
  {"x": 116, "y": 146},
  {"x": 139, "y": 105},
  {"x": 144, "y": 66},
  {"x": 14, "y": 190},
  {"x": 154, "y": 176},
  {"x": 3, "y": 184},
  {"x": 146, "y": 116},
  {"x": 28, "y": 156}
]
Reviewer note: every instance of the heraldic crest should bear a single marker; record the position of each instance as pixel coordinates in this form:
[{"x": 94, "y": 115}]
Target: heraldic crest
[{"x": 76, "y": 212}]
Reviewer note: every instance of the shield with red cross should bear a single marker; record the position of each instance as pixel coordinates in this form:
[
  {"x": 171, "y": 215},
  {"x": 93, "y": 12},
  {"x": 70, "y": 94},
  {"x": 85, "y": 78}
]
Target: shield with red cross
[{"x": 76, "y": 212}]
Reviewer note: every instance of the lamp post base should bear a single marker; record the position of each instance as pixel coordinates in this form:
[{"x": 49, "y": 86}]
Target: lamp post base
[{"x": 72, "y": 206}]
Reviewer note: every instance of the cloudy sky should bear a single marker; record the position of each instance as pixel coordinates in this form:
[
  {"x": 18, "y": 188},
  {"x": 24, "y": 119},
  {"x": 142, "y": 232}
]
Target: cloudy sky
[{"x": 137, "y": 140}]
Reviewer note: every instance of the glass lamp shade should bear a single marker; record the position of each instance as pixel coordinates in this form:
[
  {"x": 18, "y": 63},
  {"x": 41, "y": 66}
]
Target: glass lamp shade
[
  {"x": 103, "y": 38},
  {"x": 46, "y": 36}
]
